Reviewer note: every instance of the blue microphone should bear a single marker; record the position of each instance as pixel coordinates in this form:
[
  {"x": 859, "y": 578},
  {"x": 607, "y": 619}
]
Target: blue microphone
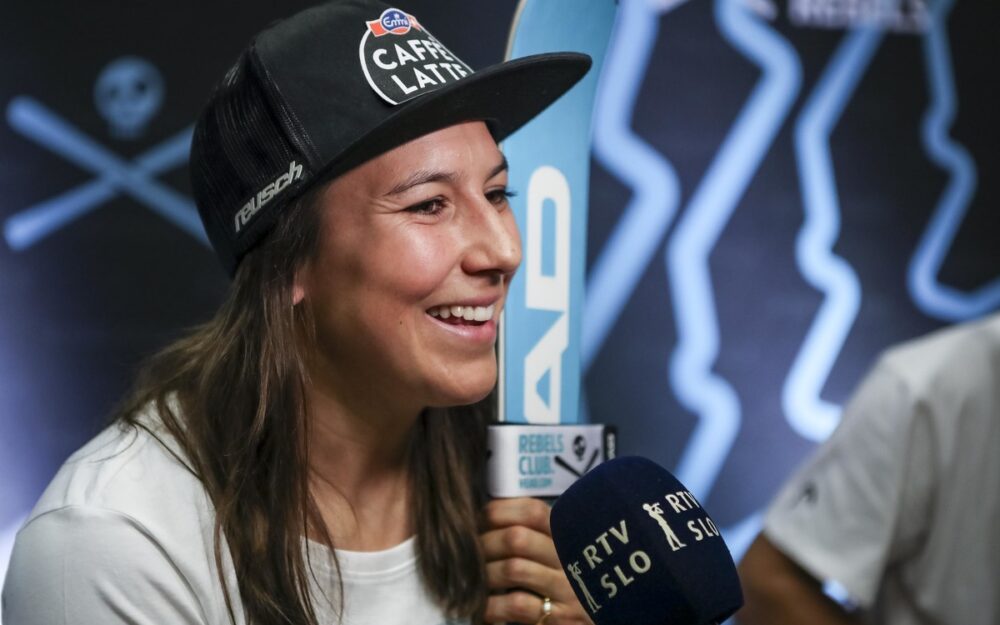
[{"x": 639, "y": 549}]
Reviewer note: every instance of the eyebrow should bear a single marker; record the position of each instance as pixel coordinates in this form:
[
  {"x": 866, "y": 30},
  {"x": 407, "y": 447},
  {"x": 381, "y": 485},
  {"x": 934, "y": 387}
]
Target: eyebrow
[{"x": 424, "y": 176}]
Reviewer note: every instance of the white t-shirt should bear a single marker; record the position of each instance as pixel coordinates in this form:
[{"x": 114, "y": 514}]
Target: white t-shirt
[
  {"x": 901, "y": 506},
  {"x": 124, "y": 534}
]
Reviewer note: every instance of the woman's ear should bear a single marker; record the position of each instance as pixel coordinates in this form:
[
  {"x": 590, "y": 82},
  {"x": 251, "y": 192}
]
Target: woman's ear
[{"x": 298, "y": 286}]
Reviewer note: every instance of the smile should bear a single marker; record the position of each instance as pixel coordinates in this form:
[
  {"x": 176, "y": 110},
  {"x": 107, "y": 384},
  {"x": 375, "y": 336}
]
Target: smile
[{"x": 463, "y": 314}]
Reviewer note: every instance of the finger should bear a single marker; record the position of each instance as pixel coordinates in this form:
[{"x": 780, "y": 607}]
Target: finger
[
  {"x": 524, "y": 607},
  {"x": 519, "y": 541},
  {"x": 514, "y": 607},
  {"x": 527, "y": 575},
  {"x": 527, "y": 511}
]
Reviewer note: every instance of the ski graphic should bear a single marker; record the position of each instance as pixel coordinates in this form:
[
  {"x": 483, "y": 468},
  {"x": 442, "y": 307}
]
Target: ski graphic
[{"x": 550, "y": 171}]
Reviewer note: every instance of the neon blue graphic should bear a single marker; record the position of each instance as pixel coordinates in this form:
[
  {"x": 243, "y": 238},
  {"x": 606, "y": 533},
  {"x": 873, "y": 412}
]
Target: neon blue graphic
[
  {"x": 808, "y": 414},
  {"x": 932, "y": 297},
  {"x": 128, "y": 94},
  {"x": 652, "y": 180},
  {"x": 35, "y": 121},
  {"x": 711, "y": 206}
]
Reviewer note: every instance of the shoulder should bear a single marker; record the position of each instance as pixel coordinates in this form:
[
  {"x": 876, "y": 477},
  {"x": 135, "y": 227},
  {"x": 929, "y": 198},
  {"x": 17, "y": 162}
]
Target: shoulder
[
  {"x": 98, "y": 565},
  {"x": 124, "y": 525},
  {"x": 962, "y": 358},
  {"x": 904, "y": 414},
  {"x": 134, "y": 471},
  {"x": 923, "y": 388}
]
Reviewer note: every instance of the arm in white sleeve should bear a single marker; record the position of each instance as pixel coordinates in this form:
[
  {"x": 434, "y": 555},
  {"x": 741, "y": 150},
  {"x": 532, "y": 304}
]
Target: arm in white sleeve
[{"x": 861, "y": 499}]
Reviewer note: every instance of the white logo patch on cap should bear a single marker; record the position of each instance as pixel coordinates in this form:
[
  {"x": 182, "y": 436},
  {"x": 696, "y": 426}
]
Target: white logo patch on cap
[{"x": 401, "y": 60}]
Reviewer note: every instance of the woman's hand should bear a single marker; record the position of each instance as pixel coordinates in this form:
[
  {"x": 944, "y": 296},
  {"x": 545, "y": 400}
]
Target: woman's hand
[{"x": 522, "y": 566}]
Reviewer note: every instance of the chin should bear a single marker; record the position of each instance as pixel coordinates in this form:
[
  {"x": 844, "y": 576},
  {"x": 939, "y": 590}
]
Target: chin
[
  {"x": 464, "y": 398},
  {"x": 469, "y": 390}
]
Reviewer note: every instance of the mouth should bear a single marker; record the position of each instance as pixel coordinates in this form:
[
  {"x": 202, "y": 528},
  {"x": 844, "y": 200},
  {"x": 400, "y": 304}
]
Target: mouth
[{"x": 463, "y": 315}]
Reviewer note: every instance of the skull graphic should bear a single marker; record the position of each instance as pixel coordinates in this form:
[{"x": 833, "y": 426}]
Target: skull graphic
[
  {"x": 128, "y": 93},
  {"x": 579, "y": 447}
]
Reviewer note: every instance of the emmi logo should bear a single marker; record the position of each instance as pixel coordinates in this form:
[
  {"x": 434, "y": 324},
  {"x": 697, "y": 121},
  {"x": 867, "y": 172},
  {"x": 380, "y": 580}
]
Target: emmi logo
[{"x": 266, "y": 194}]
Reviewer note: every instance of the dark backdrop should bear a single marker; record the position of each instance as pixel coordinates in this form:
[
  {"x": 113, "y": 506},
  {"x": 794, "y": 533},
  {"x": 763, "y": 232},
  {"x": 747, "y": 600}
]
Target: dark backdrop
[{"x": 756, "y": 132}]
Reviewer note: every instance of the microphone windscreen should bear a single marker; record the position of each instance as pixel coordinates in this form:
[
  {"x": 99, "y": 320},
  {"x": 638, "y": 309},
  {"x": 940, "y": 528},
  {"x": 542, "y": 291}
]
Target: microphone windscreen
[{"x": 639, "y": 549}]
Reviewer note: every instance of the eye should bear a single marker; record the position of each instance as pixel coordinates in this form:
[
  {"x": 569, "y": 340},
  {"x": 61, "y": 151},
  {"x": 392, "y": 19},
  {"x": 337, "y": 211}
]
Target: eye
[
  {"x": 429, "y": 207},
  {"x": 499, "y": 197}
]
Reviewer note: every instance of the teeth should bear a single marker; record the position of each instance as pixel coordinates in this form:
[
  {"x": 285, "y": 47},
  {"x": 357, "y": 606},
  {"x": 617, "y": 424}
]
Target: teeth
[{"x": 469, "y": 313}]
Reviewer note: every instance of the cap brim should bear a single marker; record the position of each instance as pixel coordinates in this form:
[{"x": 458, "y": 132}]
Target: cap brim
[{"x": 506, "y": 96}]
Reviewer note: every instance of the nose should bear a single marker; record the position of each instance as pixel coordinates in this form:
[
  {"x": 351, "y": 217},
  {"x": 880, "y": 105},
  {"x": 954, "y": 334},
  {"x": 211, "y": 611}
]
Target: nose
[{"x": 494, "y": 244}]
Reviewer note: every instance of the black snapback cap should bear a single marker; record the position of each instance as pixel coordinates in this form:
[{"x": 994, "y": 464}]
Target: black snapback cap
[{"x": 329, "y": 88}]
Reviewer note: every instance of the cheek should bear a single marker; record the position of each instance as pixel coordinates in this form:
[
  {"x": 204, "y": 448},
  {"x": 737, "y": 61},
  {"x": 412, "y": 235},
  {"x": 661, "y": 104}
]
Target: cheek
[{"x": 415, "y": 265}]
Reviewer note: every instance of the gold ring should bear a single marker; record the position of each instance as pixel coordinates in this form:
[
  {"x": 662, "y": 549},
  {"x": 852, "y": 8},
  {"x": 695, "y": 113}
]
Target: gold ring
[{"x": 546, "y": 610}]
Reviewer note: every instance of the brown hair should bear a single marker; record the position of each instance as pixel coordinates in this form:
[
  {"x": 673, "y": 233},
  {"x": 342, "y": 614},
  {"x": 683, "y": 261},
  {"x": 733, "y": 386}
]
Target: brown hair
[{"x": 231, "y": 393}]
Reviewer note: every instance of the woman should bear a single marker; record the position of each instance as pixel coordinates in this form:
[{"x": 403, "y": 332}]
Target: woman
[{"x": 315, "y": 451}]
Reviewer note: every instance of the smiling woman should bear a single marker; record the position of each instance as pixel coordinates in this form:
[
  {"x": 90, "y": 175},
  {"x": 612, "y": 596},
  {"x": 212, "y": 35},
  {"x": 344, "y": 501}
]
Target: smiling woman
[{"x": 315, "y": 451}]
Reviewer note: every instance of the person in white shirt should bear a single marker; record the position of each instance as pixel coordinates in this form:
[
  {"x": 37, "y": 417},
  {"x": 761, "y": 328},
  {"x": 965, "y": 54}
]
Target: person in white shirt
[
  {"x": 314, "y": 453},
  {"x": 900, "y": 508}
]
